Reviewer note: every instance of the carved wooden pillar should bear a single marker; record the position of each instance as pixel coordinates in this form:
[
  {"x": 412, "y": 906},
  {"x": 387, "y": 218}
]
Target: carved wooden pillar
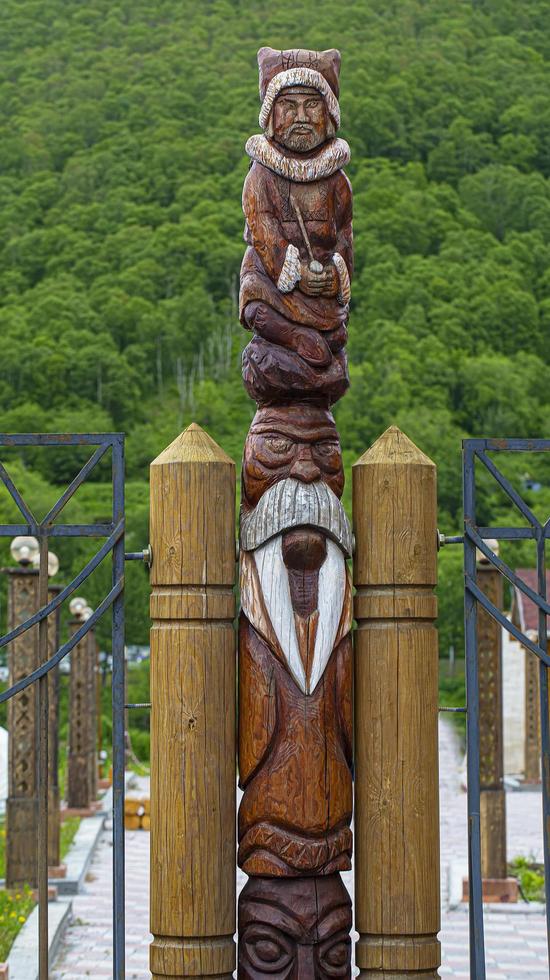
[
  {"x": 92, "y": 695},
  {"x": 22, "y": 803},
  {"x": 491, "y": 769},
  {"x": 532, "y": 718},
  {"x": 54, "y": 857},
  {"x": 193, "y": 880},
  {"x": 295, "y": 650},
  {"x": 397, "y": 910},
  {"x": 82, "y": 696}
]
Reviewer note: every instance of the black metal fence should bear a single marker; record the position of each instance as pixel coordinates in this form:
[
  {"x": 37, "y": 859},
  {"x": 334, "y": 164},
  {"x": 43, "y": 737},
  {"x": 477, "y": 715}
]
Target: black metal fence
[
  {"x": 44, "y": 530},
  {"x": 475, "y": 536}
]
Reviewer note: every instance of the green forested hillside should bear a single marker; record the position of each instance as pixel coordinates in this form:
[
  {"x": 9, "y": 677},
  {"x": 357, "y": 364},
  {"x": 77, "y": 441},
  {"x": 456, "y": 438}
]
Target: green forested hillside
[{"x": 122, "y": 127}]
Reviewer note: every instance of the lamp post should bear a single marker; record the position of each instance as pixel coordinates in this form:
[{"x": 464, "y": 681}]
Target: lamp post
[
  {"x": 81, "y": 776},
  {"x": 22, "y": 803}
]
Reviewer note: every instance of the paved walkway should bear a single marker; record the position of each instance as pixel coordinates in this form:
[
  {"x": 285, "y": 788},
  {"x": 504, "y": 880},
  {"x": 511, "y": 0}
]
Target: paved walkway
[{"x": 515, "y": 940}]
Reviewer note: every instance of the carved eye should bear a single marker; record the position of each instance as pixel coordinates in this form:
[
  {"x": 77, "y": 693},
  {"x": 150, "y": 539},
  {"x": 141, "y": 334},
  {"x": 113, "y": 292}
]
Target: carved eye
[
  {"x": 327, "y": 448},
  {"x": 334, "y": 957},
  {"x": 267, "y": 950},
  {"x": 278, "y": 445}
]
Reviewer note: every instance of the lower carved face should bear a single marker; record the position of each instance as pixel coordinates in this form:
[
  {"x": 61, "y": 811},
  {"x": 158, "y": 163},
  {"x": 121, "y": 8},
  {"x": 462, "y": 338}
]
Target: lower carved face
[
  {"x": 291, "y": 441},
  {"x": 300, "y": 119},
  {"x": 294, "y": 929}
]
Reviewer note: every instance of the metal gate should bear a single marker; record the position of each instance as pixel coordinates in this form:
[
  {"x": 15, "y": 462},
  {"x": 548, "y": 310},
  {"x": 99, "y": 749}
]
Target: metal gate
[
  {"x": 113, "y": 532},
  {"x": 475, "y": 536}
]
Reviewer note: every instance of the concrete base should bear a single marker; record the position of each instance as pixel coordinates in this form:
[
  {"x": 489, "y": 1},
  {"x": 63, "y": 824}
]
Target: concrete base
[
  {"x": 52, "y": 893},
  {"x": 23, "y": 958},
  {"x": 57, "y": 871},
  {"x": 80, "y": 811},
  {"x": 495, "y": 890}
]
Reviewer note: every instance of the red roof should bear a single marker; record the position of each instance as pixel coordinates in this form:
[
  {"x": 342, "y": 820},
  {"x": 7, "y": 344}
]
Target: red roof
[{"x": 526, "y": 613}]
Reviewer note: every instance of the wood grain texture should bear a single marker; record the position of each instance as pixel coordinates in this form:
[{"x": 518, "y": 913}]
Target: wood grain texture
[
  {"x": 54, "y": 856},
  {"x": 294, "y": 928},
  {"x": 81, "y": 769},
  {"x": 491, "y": 765},
  {"x": 532, "y": 718},
  {"x": 22, "y": 802},
  {"x": 192, "y": 534},
  {"x": 397, "y": 910}
]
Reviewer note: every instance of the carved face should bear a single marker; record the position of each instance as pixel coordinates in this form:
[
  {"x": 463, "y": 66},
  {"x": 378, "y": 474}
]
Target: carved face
[
  {"x": 291, "y": 441},
  {"x": 294, "y": 929},
  {"x": 299, "y": 119}
]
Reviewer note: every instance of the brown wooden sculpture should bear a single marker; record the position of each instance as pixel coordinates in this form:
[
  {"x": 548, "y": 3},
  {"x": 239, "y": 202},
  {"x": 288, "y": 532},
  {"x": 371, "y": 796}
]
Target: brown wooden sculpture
[{"x": 295, "y": 654}]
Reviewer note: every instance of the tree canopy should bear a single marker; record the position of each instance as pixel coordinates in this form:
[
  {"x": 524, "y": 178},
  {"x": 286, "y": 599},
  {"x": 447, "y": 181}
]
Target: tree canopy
[{"x": 122, "y": 129}]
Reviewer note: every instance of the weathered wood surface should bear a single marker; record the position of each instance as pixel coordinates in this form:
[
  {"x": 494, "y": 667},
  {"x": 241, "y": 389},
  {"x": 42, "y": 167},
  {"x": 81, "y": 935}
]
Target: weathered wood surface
[
  {"x": 397, "y": 905},
  {"x": 22, "y": 802},
  {"x": 193, "y": 683},
  {"x": 532, "y": 718},
  {"x": 295, "y": 652},
  {"x": 491, "y": 766},
  {"x": 81, "y": 781},
  {"x": 54, "y": 822}
]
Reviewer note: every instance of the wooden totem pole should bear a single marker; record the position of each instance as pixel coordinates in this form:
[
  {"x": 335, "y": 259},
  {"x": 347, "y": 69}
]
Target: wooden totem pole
[{"x": 295, "y": 652}]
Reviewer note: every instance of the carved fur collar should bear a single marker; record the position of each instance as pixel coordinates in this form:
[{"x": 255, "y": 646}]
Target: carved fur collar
[{"x": 330, "y": 158}]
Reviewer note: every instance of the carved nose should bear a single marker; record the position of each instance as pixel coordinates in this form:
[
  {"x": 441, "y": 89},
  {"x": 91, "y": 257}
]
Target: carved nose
[
  {"x": 305, "y": 963},
  {"x": 305, "y": 469}
]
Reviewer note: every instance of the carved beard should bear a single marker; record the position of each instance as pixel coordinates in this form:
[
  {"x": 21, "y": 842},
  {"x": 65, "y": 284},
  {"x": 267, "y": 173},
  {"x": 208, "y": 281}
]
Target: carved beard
[
  {"x": 297, "y": 138},
  {"x": 305, "y": 631}
]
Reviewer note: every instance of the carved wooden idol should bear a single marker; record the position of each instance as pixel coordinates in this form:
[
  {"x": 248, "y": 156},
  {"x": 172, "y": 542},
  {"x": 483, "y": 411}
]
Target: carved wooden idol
[{"x": 295, "y": 652}]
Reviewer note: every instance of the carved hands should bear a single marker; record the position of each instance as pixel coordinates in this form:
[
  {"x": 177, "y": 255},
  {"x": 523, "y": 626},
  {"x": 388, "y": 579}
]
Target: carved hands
[{"x": 324, "y": 283}]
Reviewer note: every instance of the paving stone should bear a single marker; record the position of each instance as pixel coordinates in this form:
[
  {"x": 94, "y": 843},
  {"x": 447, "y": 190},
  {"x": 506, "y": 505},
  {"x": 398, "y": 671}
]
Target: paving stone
[{"x": 515, "y": 940}]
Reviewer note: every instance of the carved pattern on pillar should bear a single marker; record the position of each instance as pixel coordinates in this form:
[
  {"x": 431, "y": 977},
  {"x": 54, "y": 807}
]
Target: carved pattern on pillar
[
  {"x": 491, "y": 769},
  {"x": 532, "y": 718},
  {"x": 22, "y": 804},
  {"x": 82, "y": 734},
  {"x": 54, "y": 857},
  {"x": 295, "y": 652}
]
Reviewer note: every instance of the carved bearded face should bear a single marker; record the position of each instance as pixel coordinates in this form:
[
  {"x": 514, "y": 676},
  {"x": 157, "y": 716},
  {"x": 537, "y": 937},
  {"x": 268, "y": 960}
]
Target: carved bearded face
[
  {"x": 299, "y": 119},
  {"x": 294, "y": 929},
  {"x": 287, "y": 441}
]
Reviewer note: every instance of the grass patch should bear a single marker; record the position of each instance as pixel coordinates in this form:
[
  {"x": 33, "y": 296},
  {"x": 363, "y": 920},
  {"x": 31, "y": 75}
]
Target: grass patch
[
  {"x": 15, "y": 908},
  {"x": 69, "y": 828},
  {"x": 530, "y": 876}
]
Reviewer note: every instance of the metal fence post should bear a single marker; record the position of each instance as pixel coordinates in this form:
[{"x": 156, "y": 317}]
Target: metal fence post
[
  {"x": 397, "y": 909},
  {"x": 193, "y": 773}
]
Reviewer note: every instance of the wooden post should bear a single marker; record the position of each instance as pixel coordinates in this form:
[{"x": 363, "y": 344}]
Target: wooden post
[
  {"x": 497, "y": 886},
  {"x": 80, "y": 785},
  {"x": 532, "y": 718},
  {"x": 22, "y": 803},
  {"x": 397, "y": 911},
  {"x": 54, "y": 823},
  {"x": 193, "y": 770}
]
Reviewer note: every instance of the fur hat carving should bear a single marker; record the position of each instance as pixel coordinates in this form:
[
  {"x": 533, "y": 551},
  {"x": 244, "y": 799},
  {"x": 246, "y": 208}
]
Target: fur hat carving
[{"x": 298, "y": 66}]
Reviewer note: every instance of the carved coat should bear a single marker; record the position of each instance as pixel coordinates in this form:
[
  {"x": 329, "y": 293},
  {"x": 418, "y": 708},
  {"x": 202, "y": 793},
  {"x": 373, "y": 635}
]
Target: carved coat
[{"x": 295, "y": 750}]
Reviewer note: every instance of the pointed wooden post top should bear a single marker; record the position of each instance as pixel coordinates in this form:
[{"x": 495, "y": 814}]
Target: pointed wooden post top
[
  {"x": 192, "y": 516},
  {"x": 193, "y": 445},
  {"x": 393, "y": 446},
  {"x": 395, "y": 513}
]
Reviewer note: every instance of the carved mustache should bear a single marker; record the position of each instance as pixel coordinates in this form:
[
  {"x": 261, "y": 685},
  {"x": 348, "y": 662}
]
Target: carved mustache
[{"x": 291, "y": 503}]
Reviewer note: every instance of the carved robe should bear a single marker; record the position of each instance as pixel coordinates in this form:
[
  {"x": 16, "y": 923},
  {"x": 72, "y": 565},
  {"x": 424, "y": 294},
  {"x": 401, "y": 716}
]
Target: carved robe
[
  {"x": 298, "y": 348},
  {"x": 295, "y": 746}
]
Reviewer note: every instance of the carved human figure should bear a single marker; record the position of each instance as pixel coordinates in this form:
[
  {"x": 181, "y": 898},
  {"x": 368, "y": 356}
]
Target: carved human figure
[
  {"x": 294, "y": 648},
  {"x": 297, "y": 930},
  {"x": 295, "y": 276},
  {"x": 295, "y": 652}
]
